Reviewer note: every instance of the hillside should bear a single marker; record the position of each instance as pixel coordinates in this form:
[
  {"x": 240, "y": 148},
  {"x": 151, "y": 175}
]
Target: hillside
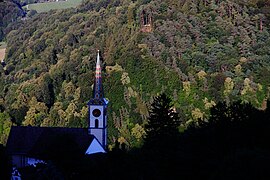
[
  {"x": 197, "y": 52},
  {"x": 9, "y": 12}
]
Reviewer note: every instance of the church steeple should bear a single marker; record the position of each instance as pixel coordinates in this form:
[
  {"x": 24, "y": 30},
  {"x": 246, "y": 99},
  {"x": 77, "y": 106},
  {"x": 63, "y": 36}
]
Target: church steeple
[
  {"x": 98, "y": 109},
  {"x": 98, "y": 88}
]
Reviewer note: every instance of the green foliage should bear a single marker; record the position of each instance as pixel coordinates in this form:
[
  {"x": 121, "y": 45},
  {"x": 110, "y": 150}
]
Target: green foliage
[
  {"x": 195, "y": 46},
  {"x": 9, "y": 12},
  {"x": 5, "y": 125},
  {"x": 3, "y": 45}
]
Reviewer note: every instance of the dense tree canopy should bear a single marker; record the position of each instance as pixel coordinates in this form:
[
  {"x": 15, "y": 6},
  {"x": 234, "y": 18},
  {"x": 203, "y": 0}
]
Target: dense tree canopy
[
  {"x": 10, "y": 11},
  {"x": 198, "y": 52}
]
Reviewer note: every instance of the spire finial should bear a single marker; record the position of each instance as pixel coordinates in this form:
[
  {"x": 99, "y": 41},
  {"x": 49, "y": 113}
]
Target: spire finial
[{"x": 98, "y": 58}]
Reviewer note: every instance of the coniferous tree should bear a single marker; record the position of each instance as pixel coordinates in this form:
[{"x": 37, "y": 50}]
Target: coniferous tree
[{"x": 163, "y": 122}]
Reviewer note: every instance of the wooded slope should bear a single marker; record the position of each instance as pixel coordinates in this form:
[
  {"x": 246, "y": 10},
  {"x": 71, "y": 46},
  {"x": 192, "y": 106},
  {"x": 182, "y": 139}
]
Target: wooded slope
[{"x": 198, "y": 52}]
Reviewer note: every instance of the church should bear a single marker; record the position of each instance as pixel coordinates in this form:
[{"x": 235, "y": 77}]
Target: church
[{"x": 29, "y": 145}]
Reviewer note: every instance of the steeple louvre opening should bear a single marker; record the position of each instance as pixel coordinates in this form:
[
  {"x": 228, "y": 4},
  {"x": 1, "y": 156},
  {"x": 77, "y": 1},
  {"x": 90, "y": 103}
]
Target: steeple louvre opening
[{"x": 96, "y": 123}]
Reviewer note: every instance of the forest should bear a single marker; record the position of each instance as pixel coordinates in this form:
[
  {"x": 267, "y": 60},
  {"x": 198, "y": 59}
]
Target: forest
[
  {"x": 10, "y": 12},
  {"x": 199, "y": 53},
  {"x": 233, "y": 144}
]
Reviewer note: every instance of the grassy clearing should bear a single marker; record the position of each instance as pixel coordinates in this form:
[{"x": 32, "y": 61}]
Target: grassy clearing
[{"x": 44, "y": 7}]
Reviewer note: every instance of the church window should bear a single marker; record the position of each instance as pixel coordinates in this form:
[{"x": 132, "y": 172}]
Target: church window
[{"x": 96, "y": 123}]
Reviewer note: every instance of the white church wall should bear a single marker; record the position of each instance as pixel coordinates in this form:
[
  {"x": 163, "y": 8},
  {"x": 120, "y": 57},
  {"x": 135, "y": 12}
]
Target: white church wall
[
  {"x": 93, "y": 118},
  {"x": 98, "y": 134}
]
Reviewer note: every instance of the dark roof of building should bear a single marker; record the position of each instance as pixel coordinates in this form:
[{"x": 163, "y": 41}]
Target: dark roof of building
[{"x": 41, "y": 141}]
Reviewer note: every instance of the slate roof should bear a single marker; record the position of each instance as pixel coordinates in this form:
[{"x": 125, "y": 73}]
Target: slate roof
[{"x": 38, "y": 141}]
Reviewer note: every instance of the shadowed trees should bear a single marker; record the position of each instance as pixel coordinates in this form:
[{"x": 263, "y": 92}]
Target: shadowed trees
[
  {"x": 163, "y": 123},
  {"x": 159, "y": 152},
  {"x": 233, "y": 144},
  {"x": 4, "y": 164},
  {"x": 231, "y": 127}
]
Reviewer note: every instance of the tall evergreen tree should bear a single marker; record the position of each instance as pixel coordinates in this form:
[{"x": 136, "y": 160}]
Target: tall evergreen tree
[{"x": 163, "y": 122}]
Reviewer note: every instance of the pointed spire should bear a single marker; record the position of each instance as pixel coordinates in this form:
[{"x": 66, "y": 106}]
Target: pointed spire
[
  {"x": 98, "y": 89},
  {"x": 98, "y": 67}
]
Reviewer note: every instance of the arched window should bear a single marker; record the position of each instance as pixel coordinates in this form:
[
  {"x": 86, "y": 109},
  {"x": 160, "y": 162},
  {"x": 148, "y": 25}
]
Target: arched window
[{"x": 96, "y": 123}]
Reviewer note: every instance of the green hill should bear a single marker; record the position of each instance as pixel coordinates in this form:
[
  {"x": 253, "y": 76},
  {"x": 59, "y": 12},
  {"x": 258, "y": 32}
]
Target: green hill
[{"x": 197, "y": 52}]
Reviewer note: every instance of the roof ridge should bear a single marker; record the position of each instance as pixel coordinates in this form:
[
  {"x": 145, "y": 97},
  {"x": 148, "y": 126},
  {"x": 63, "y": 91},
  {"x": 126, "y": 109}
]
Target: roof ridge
[{"x": 43, "y": 127}]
